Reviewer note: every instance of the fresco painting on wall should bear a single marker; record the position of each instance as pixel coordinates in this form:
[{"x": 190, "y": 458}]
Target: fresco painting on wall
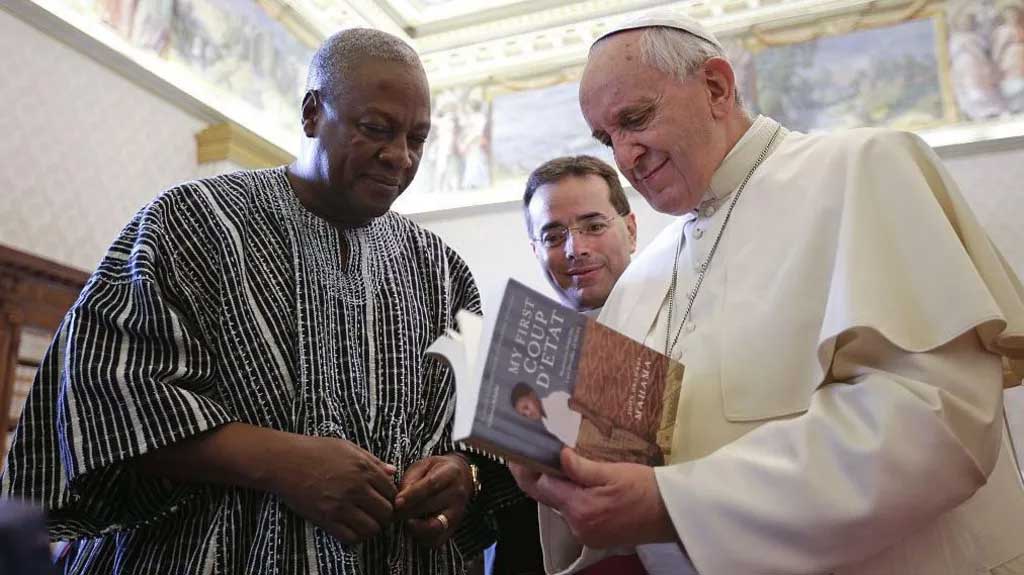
[
  {"x": 233, "y": 45},
  {"x": 986, "y": 47},
  {"x": 145, "y": 23},
  {"x": 533, "y": 126},
  {"x": 888, "y": 76},
  {"x": 457, "y": 154}
]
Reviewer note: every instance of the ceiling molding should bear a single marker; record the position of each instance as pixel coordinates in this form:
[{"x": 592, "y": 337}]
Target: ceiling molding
[
  {"x": 975, "y": 138},
  {"x": 522, "y": 16},
  {"x": 378, "y": 17},
  {"x": 413, "y": 14},
  {"x": 567, "y": 44},
  {"x": 514, "y": 38},
  {"x": 491, "y": 24}
]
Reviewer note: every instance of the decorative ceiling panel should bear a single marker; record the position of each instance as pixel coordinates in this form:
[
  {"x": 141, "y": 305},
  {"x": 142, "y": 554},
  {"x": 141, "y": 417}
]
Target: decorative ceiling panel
[
  {"x": 423, "y": 17},
  {"x": 559, "y": 37},
  {"x": 467, "y": 40}
]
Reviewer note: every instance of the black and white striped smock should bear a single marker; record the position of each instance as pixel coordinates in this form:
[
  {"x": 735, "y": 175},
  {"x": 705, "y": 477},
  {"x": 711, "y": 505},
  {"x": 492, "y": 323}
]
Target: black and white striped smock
[{"x": 225, "y": 300}]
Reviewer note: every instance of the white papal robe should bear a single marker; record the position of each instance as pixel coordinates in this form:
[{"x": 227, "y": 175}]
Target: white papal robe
[{"x": 841, "y": 406}]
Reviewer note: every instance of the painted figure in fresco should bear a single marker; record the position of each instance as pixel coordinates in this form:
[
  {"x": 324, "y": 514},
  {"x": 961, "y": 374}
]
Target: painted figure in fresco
[
  {"x": 1008, "y": 52},
  {"x": 144, "y": 23},
  {"x": 118, "y": 14},
  {"x": 441, "y": 159},
  {"x": 472, "y": 144},
  {"x": 151, "y": 24},
  {"x": 975, "y": 76}
]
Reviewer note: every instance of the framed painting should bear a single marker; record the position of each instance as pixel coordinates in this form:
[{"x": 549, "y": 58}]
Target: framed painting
[{"x": 893, "y": 75}]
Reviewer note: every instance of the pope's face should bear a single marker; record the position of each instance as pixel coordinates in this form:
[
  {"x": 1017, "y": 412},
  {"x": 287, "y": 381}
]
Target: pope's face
[
  {"x": 529, "y": 407},
  {"x": 660, "y": 129}
]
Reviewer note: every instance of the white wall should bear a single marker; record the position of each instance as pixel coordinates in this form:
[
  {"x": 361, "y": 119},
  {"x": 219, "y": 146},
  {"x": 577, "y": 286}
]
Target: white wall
[
  {"x": 81, "y": 148},
  {"x": 993, "y": 182},
  {"x": 492, "y": 239}
]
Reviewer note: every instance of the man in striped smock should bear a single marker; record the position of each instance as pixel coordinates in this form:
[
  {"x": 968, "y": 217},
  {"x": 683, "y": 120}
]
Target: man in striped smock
[{"x": 241, "y": 386}]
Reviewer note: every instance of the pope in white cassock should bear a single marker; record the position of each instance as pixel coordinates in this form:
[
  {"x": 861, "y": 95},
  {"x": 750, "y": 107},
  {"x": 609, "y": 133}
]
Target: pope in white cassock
[{"x": 842, "y": 318}]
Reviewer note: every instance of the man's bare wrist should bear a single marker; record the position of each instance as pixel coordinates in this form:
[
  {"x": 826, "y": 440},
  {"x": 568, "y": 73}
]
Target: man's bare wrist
[
  {"x": 283, "y": 454},
  {"x": 263, "y": 456}
]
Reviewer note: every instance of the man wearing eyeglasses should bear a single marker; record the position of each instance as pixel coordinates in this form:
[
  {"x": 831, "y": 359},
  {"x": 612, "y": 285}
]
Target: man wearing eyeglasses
[
  {"x": 581, "y": 228},
  {"x": 583, "y": 233}
]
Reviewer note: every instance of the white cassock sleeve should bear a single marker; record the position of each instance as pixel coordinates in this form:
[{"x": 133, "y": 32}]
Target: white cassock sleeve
[
  {"x": 898, "y": 439},
  {"x": 908, "y": 423}
]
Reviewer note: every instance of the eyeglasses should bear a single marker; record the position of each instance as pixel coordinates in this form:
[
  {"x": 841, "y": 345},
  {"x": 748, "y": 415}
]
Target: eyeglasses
[{"x": 593, "y": 226}]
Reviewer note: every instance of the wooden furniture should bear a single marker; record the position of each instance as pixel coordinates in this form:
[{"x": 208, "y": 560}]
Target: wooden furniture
[{"x": 35, "y": 293}]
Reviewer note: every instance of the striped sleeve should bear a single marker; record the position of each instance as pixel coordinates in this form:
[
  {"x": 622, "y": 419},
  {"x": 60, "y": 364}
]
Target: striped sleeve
[{"x": 127, "y": 374}]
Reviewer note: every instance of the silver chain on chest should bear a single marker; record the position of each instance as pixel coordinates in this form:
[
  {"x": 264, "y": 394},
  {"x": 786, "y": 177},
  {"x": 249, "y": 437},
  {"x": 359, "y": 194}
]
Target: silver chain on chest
[{"x": 692, "y": 295}]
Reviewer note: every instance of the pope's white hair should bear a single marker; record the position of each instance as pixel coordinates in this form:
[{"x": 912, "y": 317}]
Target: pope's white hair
[{"x": 676, "y": 52}]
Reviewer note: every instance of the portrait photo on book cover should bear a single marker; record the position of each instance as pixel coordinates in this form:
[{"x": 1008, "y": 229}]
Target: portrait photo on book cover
[
  {"x": 555, "y": 378},
  {"x": 591, "y": 434}
]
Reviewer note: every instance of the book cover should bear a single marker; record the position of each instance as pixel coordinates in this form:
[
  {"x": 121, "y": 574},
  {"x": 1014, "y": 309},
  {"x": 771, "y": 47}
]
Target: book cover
[{"x": 537, "y": 376}]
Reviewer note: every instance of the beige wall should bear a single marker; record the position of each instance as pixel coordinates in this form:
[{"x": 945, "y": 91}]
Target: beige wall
[
  {"x": 81, "y": 148},
  {"x": 993, "y": 183}
]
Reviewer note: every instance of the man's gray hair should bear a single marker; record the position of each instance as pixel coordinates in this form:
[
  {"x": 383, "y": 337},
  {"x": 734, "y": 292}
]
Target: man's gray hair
[
  {"x": 676, "y": 52},
  {"x": 339, "y": 54}
]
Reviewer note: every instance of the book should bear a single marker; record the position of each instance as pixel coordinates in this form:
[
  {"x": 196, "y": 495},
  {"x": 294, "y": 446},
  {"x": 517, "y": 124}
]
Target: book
[{"x": 537, "y": 376}]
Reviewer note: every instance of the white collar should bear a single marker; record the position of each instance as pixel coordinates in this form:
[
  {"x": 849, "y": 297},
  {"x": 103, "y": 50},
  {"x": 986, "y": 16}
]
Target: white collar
[{"x": 741, "y": 158}]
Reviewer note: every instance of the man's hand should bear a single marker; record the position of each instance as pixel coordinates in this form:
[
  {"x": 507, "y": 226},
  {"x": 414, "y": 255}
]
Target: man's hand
[
  {"x": 337, "y": 485},
  {"x": 527, "y": 480},
  {"x": 604, "y": 504},
  {"x": 432, "y": 486},
  {"x": 332, "y": 482}
]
